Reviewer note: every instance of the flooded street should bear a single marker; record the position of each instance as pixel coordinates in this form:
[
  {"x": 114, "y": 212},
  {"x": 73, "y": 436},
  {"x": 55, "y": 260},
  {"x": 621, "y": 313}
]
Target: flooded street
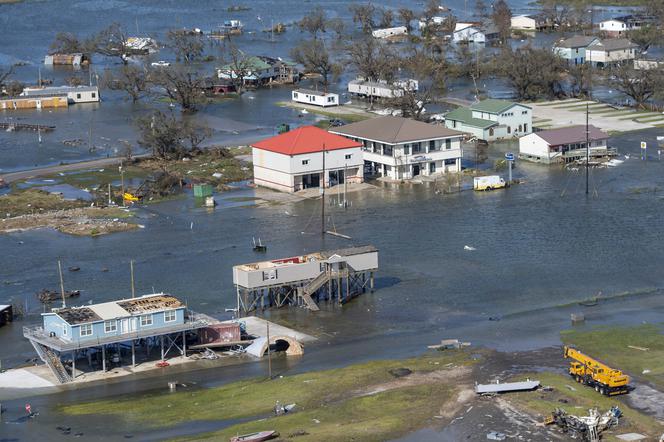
[{"x": 539, "y": 247}]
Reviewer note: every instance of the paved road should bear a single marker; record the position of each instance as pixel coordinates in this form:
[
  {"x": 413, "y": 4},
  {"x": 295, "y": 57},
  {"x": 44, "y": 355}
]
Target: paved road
[{"x": 49, "y": 170}]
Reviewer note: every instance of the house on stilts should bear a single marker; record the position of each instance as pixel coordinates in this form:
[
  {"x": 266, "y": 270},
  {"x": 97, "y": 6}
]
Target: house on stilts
[{"x": 305, "y": 280}]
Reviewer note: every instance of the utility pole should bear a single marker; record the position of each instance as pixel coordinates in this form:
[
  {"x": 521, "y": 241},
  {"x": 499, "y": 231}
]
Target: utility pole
[
  {"x": 62, "y": 285},
  {"x": 345, "y": 184},
  {"x": 587, "y": 145},
  {"x": 131, "y": 268},
  {"x": 322, "y": 220},
  {"x": 269, "y": 354}
]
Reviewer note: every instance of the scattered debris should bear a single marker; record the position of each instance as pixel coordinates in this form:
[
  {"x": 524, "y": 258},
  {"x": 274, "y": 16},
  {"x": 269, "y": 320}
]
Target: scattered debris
[
  {"x": 400, "y": 372},
  {"x": 47, "y": 296},
  {"x": 449, "y": 344},
  {"x": 469, "y": 248},
  {"x": 588, "y": 428},
  {"x": 638, "y": 348},
  {"x": 494, "y": 435}
]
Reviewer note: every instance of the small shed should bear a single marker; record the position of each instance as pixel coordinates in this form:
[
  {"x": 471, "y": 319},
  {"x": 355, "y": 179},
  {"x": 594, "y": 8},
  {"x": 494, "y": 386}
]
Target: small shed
[{"x": 6, "y": 314}]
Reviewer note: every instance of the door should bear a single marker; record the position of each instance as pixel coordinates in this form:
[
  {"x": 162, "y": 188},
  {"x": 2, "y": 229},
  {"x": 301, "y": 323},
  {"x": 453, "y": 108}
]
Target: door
[
  {"x": 432, "y": 167},
  {"x": 416, "y": 169},
  {"x": 125, "y": 326}
]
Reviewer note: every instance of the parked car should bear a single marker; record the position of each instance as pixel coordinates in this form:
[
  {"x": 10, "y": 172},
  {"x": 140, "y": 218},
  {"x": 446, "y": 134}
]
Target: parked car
[{"x": 160, "y": 64}]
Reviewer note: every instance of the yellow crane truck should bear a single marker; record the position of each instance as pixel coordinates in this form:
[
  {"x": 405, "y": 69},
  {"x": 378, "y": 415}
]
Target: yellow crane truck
[{"x": 589, "y": 371}]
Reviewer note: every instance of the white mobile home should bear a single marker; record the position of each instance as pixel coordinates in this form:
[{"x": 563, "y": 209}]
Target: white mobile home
[
  {"x": 524, "y": 23},
  {"x": 75, "y": 94},
  {"x": 315, "y": 98},
  {"x": 381, "y": 89},
  {"x": 294, "y": 160},
  {"x": 399, "y": 31}
]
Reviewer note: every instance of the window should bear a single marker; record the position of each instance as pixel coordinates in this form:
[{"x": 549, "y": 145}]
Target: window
[
  {"x": 78, "y": 96},
  {"x": 146, "y": 320},
  {"x": 417, "y": 147},
  {"x": 169, "y": 316},
  {"x": 295, "y": 95},
  {"x": 509, "y": 130},
  {"x": 524, "y": 112},
  {"x": 305, "y": 162},
  {"x": 64, "y": 330},
  {"x": 450, "y": 161},
  {"x": 94, "y": 95},
  {"x": 432, "y": 145},
  {"x": 348, "y": 157},
  {"x": 330, "y": 99},
  {"x": 110, "y": 326},
  {"x": 406, "y": 149},
  {"x": 448, "y": 144},
  {"x": 86, "y": 330},
  {"x": 491, "y": 132}
]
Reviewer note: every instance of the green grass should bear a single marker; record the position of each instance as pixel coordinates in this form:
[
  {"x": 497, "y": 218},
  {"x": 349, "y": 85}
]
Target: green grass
[
  {"x": 28, "y": 201},
  {"x": 582, "y": 107},
  {"x": 610, "y": 345},
  {"x": 330, "y": 396},
  {"x": 558, "y": 103},
  {"x": 635, "y": 116},
  {"x": 650, "y": 119},
  {"x": 578, "y": 402}
]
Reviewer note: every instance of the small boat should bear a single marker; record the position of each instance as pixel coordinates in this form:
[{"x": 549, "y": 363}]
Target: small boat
[
  {"x": 47, "y": 296},
  {"x": 259, "y": 246},
  {"x": 255, "y": 437}
]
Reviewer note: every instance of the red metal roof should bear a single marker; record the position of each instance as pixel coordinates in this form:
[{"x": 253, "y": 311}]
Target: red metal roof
[{"x": 306, "y": 139}]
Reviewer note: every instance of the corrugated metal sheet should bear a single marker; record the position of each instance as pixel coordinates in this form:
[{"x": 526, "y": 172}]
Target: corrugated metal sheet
[{"x": 506, "y": 386}]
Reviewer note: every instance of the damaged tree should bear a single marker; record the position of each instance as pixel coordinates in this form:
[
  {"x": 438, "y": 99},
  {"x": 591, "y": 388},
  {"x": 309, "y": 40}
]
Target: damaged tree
[
  {"x": 188, "y": 47},
  {"x": 168, "y": 137},
  {"x": 132, "y": 79},
  {"x": 315, "y": 58},
  {"x": 181, "y": 85},
  {"x": 638, "y": 84}
]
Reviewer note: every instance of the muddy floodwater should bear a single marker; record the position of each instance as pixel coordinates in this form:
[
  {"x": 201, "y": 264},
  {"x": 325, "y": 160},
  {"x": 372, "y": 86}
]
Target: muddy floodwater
[{"x": 539, "y": 247}]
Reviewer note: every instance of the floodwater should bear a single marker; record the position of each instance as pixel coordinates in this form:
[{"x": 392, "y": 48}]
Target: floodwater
[{"x": 540, "y": 246}]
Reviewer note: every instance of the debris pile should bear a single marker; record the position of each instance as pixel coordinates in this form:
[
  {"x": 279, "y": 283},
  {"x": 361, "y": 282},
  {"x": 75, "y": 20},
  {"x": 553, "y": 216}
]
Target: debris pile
[{"x": 588, "y": 428}]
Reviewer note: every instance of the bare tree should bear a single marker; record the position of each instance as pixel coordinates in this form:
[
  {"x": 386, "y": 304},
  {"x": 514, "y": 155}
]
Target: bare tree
[
  {"x": 314, "y": 22},
  {"x": 338, "y": 26},
  {"x": 532, "y": 73},
  {"x": 14, "y": 88},
  {"x": 481, "y": 9},
  {"x": 407, "y": 16},
  {"x": 640, "y": 85},
  {"x": 5, "y": 74},
  {"x": 315, "y": 58},
  {"x": 364, "y": 15},
  {"x": 68, "y": 43},
  {"x": 237, "y": 68},
  {"x": 579, "y": 78},
  {"x": 112, "y": 42},
  {"x": 502, "y": 18},
  {"x": 181, "y": 85},
  {"x": 386, "y": 18},
  {"x": 646, "y": 36},
  {"x": 372, "y": 59},
  {"x": 168, "y": 137},
  {"x": 556, "y": 14},
  {"x": 188, "y": 47},
  {"x": 133, "y": 80}
]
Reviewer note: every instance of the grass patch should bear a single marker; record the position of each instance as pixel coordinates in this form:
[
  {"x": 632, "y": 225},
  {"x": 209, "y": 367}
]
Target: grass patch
[
  {"x": 577, "y": 402},
  {"x": 635, "y": 116},
  {"x": 316, "y": 394},
  {"x": 558, "y": 103},
  {"x": 29, "y": 201},
  {"x": 377, "y": 417},
  {"x": 650, "y": 119},
  {"x": 610, "y": 345}
]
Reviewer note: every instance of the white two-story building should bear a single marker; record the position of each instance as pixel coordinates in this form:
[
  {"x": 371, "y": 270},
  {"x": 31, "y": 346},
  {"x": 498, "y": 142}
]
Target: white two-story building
[
  {"x": 294, "y": 160},
  {"x": 610, "y": 51},
  {"x": 401, "y": 148},
  {"x": 491, "y": 119}
]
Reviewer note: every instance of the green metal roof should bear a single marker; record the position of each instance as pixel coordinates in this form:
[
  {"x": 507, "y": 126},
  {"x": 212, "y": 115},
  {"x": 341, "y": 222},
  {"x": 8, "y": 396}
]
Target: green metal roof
[
  {"x": 493, "y": 106},
  {"x": 465, "y": 116}
]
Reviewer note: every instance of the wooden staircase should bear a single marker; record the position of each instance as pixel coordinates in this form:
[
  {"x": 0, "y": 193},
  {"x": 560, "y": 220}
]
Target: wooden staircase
[{"x": 53, "y": 361}]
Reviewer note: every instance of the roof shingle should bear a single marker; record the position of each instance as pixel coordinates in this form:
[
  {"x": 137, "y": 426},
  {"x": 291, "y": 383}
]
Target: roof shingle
[{"x": 395, "y": 130}]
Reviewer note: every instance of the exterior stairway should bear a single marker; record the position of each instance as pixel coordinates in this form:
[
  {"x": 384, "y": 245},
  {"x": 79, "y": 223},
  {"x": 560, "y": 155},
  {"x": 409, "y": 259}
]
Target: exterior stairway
[
  {"x": 305, "y": 292},
  {"x": 53, "y": 361}
]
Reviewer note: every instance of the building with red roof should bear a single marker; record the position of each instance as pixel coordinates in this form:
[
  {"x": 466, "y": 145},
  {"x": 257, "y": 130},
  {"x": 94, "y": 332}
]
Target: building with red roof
[{"x": 293, "y": 160}]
